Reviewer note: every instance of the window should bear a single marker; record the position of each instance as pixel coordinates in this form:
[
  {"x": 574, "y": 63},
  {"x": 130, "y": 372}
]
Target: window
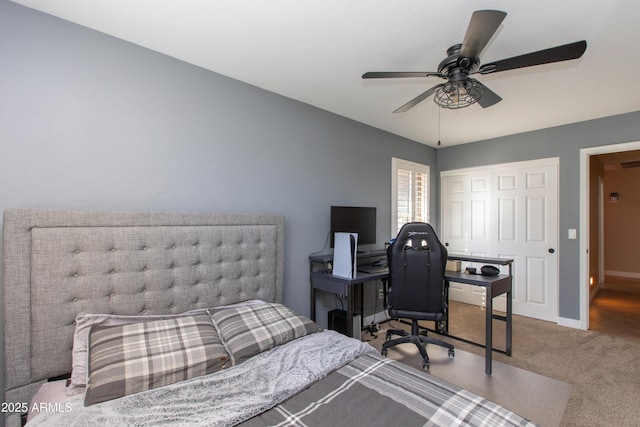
[{"x": 410, "y": 193}]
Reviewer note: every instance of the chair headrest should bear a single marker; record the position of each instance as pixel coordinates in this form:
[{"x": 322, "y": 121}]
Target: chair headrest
[{"x": 416, "y": 235}]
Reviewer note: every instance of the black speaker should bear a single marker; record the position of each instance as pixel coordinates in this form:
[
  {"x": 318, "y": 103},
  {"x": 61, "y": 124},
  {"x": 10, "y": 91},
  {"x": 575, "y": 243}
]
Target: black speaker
[{"x": 337, "y": 321}]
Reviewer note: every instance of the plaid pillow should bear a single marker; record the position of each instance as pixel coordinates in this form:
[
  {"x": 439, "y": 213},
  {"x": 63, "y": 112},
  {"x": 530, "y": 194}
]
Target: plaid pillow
[
  {"x": 249, "y": 330},
  {"x": 127, "y": 359},
  {"x": 84, "y": 322}
]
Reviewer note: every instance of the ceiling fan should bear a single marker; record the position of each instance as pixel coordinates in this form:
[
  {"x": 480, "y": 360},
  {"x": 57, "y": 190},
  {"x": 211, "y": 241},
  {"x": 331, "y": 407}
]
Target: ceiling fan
[{"x": 463, "y": 60}]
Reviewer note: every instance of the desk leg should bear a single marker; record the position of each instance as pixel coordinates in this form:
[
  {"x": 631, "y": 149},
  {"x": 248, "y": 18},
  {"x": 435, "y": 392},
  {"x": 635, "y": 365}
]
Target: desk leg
[
  {"x": 488, "y": 331},
  {"x": 509, "y": 319},
  {"x": 361, "y": 307},
  {"x": 313, "y": 303},
  {"x": 446, "y": 314},
  {"x": 385, "y": 292},
  {"x": 350, "y": 310},
  {"x": 312, "y": 311}
]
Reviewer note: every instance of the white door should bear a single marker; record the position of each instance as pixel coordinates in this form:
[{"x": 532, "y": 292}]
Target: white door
[
  {"x": 521, "y": 222},
  {"x": 465, "y": 230}
]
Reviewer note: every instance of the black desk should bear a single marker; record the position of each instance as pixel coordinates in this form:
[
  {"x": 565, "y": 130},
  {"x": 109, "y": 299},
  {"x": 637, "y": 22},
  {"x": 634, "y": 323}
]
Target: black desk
[
  {"x": 321, "y": 280},
  {"x": 495, "y": 286},
  {"x": 343, "y": 287}
]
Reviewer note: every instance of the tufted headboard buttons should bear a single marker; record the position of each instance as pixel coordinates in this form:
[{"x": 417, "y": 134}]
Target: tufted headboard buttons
[{"x": 60, "y": 263}]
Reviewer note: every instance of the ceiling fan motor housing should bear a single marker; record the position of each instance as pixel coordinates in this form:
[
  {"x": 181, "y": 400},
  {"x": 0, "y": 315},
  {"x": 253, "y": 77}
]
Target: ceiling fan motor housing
[{"x": 455, "y": 64}]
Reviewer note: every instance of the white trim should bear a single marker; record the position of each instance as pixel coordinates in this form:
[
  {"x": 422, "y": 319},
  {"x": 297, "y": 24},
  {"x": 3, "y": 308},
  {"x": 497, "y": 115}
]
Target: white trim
[
  {"x": 627, "y": 274},
  {"x": 394, "y": 195},
  {"x": 600, "y": 230},
  {"x": 522, "y": 164},
  {"x": 397, "y": 163},
  {"x": 379, "y": 317},
  {"x": 570, "y": 323},
  {"x": 585, "y": 153}
]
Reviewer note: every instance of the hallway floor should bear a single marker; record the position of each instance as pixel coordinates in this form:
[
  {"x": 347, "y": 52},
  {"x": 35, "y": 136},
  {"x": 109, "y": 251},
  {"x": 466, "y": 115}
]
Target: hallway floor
[{"x": 615, "y": 310}]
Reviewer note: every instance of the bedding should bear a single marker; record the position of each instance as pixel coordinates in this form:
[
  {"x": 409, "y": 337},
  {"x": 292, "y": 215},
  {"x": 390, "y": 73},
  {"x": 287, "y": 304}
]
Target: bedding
[
  {"x": 320, "y": 379},
  {"x": 57, "y": 264},
  {"x": 131, "y": 358},
  {"x": 84, "y": 322},
  {"x": 225, "y": 398},
  {"x": 49, "y": 393},
  {"x": 249, "y": 330},
  {"x": 375, "y": 391}
]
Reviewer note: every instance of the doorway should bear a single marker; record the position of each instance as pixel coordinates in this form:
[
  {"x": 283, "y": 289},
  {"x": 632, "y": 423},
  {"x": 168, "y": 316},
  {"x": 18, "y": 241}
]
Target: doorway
[
  {"x": 615, "y": 309},
  {"x": 606, "y": 177}
]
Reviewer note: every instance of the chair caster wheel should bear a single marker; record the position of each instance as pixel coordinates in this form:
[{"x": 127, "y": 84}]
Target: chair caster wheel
[
  {"x": 383, "y": 352},
  {"x": 425, "y": 365},
  {"x": 451, "y": 352}
]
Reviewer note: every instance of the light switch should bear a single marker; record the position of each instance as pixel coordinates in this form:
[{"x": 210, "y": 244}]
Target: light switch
[{"x": 573, "y": 234}]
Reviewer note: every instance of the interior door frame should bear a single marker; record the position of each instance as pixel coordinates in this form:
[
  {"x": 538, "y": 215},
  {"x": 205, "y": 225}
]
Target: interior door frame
[{"x": 585, "y": 153}]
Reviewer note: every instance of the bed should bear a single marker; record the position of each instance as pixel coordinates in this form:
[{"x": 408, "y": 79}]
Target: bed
[{"x": 91, "y": 297}]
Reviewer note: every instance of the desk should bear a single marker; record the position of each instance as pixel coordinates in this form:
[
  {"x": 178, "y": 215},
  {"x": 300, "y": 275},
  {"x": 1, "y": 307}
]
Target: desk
[
  {"x": 341, "y": 286},
  {"x": 321, "y": 280},
  {"x": 495, "y": 286}
]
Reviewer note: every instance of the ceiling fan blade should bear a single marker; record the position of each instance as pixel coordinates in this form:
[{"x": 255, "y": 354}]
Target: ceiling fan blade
[
  {"x": 489, "y": 98},
  {"x": 482, "y": 26},
  {"x": 418, "y": 99},
  {"x": 393, "y": 74},
  {"x": 546, "y": 56}
]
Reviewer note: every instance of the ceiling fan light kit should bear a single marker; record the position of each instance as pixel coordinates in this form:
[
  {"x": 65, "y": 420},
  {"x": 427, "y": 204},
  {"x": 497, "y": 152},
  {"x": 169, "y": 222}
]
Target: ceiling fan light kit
[
  {"x": 459, "y": 94},
  {"x": 463, "y": 60}
]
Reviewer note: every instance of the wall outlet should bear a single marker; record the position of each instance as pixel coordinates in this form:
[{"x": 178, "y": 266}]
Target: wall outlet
[{"x": 381, "y": 293}]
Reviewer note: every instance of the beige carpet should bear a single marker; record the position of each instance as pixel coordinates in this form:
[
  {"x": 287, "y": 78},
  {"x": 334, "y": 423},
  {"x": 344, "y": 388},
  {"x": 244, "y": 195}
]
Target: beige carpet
[{"x": 603, "y": 370}]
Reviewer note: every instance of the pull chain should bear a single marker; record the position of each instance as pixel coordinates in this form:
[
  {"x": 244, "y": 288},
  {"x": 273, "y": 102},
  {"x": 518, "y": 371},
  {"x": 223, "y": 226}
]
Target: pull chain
[{"x": 439, "y": 143}]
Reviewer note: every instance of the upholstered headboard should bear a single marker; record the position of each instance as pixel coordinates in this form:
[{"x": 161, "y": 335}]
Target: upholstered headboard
[{"x": 60, "y": 263}]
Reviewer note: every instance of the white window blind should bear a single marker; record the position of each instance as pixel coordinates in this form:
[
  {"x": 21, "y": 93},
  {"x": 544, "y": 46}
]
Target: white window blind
[{"x": 410, "y": 199}]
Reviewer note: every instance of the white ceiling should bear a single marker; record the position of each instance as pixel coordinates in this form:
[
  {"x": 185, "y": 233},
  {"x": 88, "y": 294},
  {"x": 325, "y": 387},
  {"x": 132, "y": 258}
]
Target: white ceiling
[{"x": 315, "y": 51}]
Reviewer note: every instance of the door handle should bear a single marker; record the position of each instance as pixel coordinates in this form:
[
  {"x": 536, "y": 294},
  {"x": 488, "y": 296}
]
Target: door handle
[{"x": 551, "y": 250}]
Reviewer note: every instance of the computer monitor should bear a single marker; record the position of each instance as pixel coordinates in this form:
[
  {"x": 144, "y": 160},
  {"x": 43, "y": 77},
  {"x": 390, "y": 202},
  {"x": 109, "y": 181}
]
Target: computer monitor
[{"x": 354, "y": 219}]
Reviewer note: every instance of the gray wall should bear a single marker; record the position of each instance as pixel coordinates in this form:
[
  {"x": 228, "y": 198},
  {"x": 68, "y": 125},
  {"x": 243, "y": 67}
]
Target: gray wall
[
  {"x": 88, "y": 121},
  {"x": 565, "y": 143}
]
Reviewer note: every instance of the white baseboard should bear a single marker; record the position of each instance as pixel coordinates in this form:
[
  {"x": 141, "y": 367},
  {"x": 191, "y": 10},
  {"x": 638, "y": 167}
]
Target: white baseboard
[
  {"x": 626, "y": 274},
  {"x": 378, "y": 317},
  {"x": 570, "y": 323}
]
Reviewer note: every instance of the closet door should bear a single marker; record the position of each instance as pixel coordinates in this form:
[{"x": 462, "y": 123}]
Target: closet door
[
  {"x": 507, "y": 211},
  {"x": 465, "y": 226},
  {"x": 526, "y": 205}
]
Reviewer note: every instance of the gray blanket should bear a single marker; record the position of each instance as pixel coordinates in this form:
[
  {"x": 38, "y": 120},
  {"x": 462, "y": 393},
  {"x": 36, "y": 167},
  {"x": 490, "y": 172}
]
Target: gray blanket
[
  {"x": 317, "y": 380},
  {"x": 225, "y": 398},
  {"x": 374, "y": 391}
]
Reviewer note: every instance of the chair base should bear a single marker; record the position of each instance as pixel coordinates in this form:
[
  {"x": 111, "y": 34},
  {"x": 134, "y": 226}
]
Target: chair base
[{"x": 416, "y": 338}]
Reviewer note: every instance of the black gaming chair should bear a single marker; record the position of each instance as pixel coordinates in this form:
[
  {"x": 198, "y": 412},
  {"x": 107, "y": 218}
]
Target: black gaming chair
[{"x": 417, "y": 262}]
